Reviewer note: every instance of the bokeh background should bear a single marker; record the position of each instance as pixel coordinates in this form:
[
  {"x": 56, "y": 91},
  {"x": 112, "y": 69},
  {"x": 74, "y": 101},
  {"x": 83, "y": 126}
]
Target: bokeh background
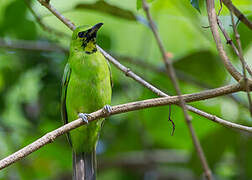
[{"x": 135, "y": 145}]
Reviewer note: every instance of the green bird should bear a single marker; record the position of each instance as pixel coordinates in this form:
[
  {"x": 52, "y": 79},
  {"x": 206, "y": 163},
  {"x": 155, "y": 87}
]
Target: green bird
[{"x": 86, "y": 87}]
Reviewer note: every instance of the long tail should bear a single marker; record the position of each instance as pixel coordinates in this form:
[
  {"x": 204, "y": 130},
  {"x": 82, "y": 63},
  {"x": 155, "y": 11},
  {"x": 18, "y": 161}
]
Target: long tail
[{"x": 84, "y": 166}]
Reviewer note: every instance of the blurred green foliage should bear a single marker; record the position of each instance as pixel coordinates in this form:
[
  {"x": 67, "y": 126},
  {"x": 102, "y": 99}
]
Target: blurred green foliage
[{"x": 30, "y": 91}]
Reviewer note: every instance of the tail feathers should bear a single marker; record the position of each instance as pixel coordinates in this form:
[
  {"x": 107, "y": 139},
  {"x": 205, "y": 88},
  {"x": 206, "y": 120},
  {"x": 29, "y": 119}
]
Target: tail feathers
[{"x": 84, "y": 166}]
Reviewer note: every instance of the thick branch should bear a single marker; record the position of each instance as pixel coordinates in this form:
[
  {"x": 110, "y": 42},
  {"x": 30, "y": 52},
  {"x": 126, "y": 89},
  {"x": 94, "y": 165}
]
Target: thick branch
[
  {"x": 213, "y": 25},
  {"x": 238, "y": 13},
  {"x": 51, "y": 136}
]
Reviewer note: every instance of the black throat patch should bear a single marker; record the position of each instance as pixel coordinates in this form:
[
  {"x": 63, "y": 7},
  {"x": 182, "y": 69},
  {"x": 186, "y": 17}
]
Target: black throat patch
[{"x": 89, "y": 44}]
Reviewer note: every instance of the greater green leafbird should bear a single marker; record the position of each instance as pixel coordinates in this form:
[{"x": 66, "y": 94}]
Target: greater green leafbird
[{"x": 86, "y": 87}]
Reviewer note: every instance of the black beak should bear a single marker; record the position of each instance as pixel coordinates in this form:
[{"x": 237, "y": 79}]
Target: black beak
[{"x": 95, "y": 28}]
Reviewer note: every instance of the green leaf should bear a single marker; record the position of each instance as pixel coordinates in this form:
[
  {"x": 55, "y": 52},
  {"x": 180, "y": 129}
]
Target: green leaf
[
  {"x": 139, "y": 4},
  {"x": 195, "y": 4},
  {"x": 105, "y": 40},
  {"x": 221, "y": 139},
  {"x": 242, "y": 151},
  {"x": 245, "y": 34},
  {"x": 102, "y": 6},
  {"x": 203, "y": 66},
  {"x": 17, "y": 26}
]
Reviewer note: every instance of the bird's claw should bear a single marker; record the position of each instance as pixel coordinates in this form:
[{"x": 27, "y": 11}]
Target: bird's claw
[
  {"x": 84, "y": 117},
  {"x": 107, "y": 109}
]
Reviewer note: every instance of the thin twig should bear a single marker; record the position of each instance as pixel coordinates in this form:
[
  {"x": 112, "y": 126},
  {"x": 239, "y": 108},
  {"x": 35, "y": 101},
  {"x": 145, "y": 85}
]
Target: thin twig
[
  {"x": 45, "y": 27},
  {"x": 238, "y": 13},
  {"x": 31, "y": 45},
  {"x": 160, "y": 70},
  {"x": 172, "y": 122},
  {"x": 241, "y": 57},
  {"x": 57, "y": 14},
  {"x": 133, "y": 106},
  {"x": 213, "y": 25},
  {"x": 173, "y": 77},
  {"x": 221, "y": 6},
  {"x": 231, "y": 43}
]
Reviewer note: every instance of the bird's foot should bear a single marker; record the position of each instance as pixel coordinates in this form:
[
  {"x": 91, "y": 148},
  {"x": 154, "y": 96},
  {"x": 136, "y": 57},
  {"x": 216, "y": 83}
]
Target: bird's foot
[
  {"x": 84, "y": 117},
  {"x": 107, "y": 109}
]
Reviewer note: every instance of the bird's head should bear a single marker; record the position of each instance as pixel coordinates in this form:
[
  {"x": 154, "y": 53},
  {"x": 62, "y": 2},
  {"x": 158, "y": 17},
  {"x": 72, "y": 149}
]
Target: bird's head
[{"x": 84, "y": 38}]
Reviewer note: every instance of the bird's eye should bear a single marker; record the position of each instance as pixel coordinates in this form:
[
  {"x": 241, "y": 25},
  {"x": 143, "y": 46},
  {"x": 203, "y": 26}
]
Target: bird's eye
[{"x": 81, "y": 34}]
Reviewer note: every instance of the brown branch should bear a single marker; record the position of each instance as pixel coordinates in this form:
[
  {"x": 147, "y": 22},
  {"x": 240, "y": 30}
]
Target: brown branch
[
  {"x": 131, "y": 74},
  {"x": 160, "y": 70},
  {"x": 173, "y": 77},
  {"x": 31, "y": 45},
  {"x": 133, "y": 106},
  {"x": 140, "y": 63},
  {"x": 231, "y": 43},
  {"x": 238, "y": 13},
  {"x": 241, "y": 57},
  {"x": 57, "y": 14},
  {"x": 213, "y": 25}
]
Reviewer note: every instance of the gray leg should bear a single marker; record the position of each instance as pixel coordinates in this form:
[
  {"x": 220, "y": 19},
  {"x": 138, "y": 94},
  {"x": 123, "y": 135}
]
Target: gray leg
[
  {"x": 84, "y": 117},
  {"x": 107, "y": 109}
]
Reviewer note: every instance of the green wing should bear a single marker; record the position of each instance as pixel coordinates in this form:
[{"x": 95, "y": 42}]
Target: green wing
[
  {"x": 65, "y": 81},
  {"x": 110, "y": 72}
]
